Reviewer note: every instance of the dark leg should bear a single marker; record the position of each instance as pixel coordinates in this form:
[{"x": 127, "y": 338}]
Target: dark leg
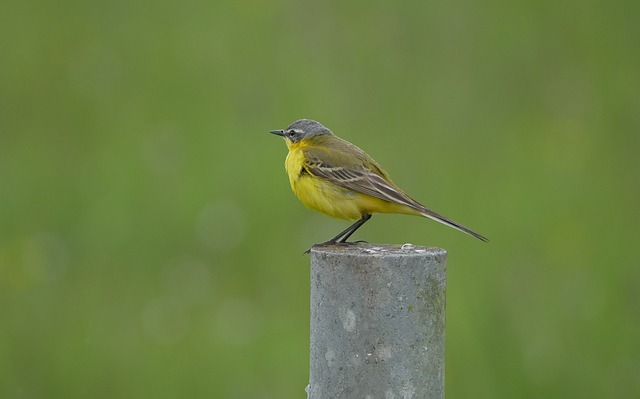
[
  {"x": 342, "y": 237},
  {"x": 352, "y": 229}
]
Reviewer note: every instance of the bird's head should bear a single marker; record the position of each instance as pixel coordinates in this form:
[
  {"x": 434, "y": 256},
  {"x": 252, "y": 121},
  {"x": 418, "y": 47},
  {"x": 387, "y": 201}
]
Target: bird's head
[{"x": 302, "y": 129}]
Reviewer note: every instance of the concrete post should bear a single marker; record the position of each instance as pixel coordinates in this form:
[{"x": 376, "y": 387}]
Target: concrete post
[{"x": 377, "y": 322}]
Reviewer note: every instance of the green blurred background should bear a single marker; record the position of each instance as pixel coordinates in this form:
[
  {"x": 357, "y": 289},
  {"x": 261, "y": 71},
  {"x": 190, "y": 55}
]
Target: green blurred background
[{"x": 150, "y": 246}]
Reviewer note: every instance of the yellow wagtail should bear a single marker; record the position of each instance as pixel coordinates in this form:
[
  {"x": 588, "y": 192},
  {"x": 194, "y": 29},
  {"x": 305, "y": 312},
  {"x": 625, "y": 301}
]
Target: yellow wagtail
[{"x": 333, "y": 176}]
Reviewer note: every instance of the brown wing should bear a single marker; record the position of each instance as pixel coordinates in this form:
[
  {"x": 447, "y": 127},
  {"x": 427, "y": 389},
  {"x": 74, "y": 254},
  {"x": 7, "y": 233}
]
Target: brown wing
[
  {"x": 353, "y": 173},
  {"x": 348, "y": 166}
]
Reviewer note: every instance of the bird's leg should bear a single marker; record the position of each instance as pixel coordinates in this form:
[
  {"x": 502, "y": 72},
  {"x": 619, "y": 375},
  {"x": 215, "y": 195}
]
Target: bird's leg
[
  {"x": 352, "y": 229},
  {"x": 341, "y": 238}
]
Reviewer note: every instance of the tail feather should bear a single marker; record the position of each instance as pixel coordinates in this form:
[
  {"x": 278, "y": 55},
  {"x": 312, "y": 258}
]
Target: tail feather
[{"x": 446, "y": 221}]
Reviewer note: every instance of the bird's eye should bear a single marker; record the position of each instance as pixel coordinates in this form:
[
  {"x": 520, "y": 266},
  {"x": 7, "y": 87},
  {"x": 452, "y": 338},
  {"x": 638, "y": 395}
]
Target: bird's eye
[{"x": 291, "y": 132}]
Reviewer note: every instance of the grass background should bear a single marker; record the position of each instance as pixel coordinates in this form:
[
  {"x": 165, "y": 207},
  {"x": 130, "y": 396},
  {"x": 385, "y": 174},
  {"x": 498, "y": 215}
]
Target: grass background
[{"x": 150, "y": 245}]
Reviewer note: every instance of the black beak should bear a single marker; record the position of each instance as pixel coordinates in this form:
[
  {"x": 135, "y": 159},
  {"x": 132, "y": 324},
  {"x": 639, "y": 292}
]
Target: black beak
[{"x": 278, "y": 132}]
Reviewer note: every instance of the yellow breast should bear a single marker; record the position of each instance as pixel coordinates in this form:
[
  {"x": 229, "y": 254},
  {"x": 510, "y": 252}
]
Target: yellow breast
[
  {"x": 317, "y": 193},
  {"x": 329, "y": 198}
]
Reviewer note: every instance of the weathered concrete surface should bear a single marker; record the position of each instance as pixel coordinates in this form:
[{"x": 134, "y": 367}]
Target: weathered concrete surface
[{"x": 377, "y": 322}]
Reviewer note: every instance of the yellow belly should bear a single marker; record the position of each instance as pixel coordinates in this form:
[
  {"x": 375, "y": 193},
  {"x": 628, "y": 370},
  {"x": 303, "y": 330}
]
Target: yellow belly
[{"x": 324, "y": 196}]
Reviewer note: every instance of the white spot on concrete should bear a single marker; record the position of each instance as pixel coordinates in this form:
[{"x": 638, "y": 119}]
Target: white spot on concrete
[
  {"x": 348, "y": 318},
  {"x": 374, "y": 250},
  {"x": 383, "y": 352},
  {"x": 330, "y": 357},
  {"x": 407, "y": 246}
]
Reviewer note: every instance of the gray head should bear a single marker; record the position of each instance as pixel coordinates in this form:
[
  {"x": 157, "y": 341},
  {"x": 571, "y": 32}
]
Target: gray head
[{"x": 302, "y": 129}]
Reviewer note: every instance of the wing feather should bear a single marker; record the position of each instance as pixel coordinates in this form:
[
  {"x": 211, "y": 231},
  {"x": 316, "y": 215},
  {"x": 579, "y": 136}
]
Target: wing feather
[
  {"x": 357, "y": 177},
  {"x": 348, "y": 166}
]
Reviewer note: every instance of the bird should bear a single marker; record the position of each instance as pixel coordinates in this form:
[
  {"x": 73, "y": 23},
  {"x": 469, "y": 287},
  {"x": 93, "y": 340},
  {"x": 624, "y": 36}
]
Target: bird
[{"x": 330, "y": 175}]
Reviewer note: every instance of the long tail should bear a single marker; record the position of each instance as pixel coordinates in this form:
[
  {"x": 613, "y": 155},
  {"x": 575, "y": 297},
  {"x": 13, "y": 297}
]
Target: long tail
[{"x": 446, "y": 221}]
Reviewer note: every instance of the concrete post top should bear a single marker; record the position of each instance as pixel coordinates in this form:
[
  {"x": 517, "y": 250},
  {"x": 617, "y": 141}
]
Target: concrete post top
[{"x": 365, "y": 249}]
